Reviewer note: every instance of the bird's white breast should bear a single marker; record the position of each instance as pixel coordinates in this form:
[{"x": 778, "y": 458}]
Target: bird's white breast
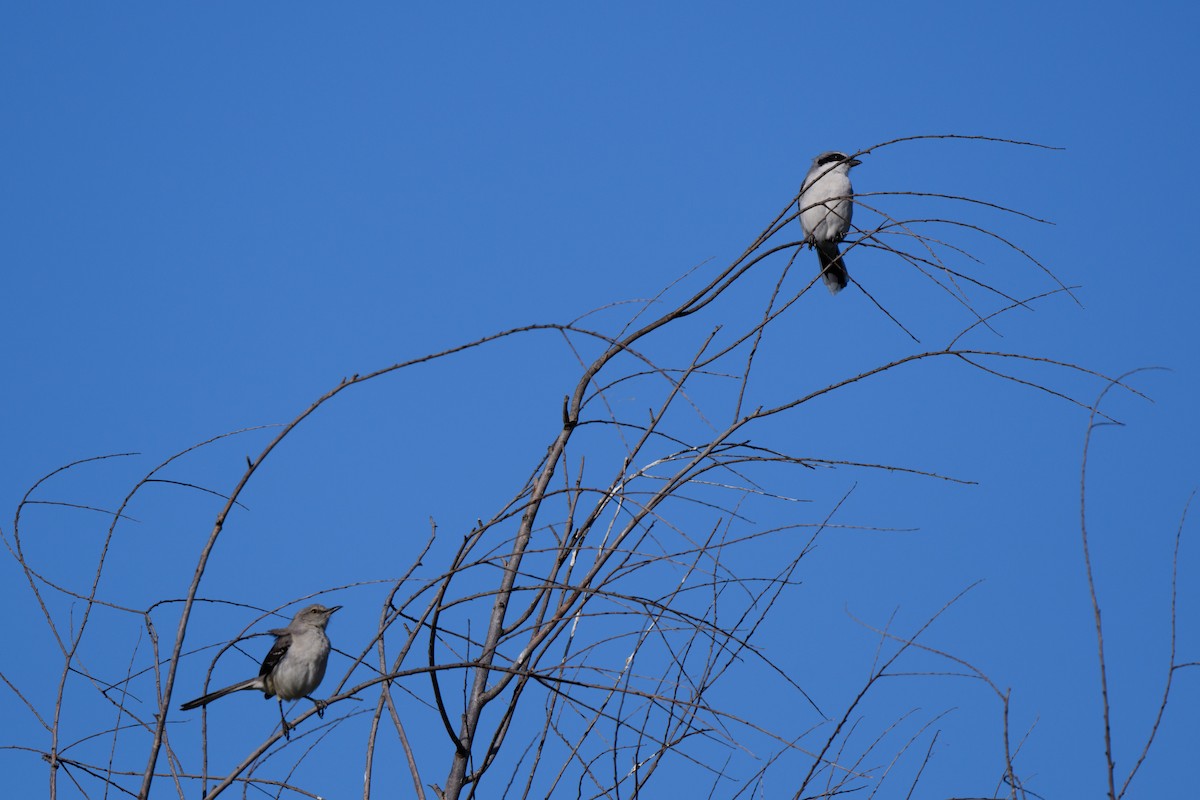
[{"x": 830, "y": 219}]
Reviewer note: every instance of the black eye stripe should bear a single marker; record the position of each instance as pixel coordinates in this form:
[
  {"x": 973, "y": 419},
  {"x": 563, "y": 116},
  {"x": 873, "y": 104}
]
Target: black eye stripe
[{"x": 829, "y": 159}]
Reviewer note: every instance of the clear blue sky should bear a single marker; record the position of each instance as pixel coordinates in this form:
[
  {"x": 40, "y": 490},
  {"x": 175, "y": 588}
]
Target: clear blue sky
[{"x": 211, "y": 213}]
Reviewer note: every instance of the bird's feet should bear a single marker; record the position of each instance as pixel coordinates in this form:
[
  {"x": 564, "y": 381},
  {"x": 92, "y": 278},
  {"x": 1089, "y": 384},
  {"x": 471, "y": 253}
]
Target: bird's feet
[{"x": 321, "y": 706}]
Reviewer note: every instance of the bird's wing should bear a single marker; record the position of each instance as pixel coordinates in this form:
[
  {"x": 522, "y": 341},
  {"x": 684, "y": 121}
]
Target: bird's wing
[{"x": 282, "y": 642}]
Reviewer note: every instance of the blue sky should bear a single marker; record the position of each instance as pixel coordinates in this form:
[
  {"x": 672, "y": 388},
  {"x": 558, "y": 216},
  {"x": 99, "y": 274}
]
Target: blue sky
[{"x": 214, "y": 213}]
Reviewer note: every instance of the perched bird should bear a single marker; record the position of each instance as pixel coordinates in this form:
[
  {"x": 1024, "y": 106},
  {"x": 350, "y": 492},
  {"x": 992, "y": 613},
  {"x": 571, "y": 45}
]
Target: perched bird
[
  {"x": 825, "y": 212},
  {"x": 293, "y": 668}
]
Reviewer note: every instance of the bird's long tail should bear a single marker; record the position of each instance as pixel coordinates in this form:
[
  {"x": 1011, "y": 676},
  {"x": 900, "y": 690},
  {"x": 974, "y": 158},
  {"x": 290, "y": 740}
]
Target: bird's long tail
[
  {"x": 251, "y": 683},
  {"x": 833, "y": 268}
]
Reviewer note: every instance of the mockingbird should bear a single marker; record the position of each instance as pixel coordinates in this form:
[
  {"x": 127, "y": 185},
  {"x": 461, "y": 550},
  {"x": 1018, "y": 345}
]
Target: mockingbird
[
  {"x": 294, "y": 667},
  {"x": 825, "y": 211}
]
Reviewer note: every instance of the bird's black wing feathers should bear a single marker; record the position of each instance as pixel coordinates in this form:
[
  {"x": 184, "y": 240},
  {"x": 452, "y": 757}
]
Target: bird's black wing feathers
[{"x": 282, "y": 643}]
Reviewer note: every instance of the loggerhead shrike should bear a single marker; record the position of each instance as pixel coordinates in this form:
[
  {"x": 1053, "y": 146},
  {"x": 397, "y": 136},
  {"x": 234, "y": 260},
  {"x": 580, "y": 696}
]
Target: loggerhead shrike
[
  {"x": 293, "y": 668},
  {"x": 827, "y": 190}
]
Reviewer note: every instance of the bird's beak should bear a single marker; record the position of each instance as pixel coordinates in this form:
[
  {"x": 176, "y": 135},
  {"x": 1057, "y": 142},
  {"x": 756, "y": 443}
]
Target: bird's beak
[
  {"x": 854, "y": 162},
  {"x": 335, "y": 608}
]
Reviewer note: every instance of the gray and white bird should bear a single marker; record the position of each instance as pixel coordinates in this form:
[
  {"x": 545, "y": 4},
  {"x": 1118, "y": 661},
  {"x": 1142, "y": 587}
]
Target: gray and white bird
[
  {"x": 825, "y": 211},
  {"x": 293, "y": 668}
]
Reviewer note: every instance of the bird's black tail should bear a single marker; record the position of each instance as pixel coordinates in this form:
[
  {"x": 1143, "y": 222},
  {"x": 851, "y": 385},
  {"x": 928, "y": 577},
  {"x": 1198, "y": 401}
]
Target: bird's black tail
[
  {"x": 252, "y": 683},
  {"x": 833, "y": 268}
]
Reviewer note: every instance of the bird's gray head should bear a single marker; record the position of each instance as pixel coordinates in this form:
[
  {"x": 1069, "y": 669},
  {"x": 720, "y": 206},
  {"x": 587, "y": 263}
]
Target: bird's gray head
[
  {"x": 831, "y": 158},
  {"x": 316, "y": 614}
]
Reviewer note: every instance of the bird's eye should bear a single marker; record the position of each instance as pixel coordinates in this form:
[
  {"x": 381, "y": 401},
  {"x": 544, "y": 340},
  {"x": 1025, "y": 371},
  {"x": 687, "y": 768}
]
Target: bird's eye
[{"x": 829, "y": 159}]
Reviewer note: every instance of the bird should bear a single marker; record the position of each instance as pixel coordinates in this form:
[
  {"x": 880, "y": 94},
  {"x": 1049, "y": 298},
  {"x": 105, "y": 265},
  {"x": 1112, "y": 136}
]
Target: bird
[
  {"x": 293, "y": 668},
  {"x": 825, "y": 211}
]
